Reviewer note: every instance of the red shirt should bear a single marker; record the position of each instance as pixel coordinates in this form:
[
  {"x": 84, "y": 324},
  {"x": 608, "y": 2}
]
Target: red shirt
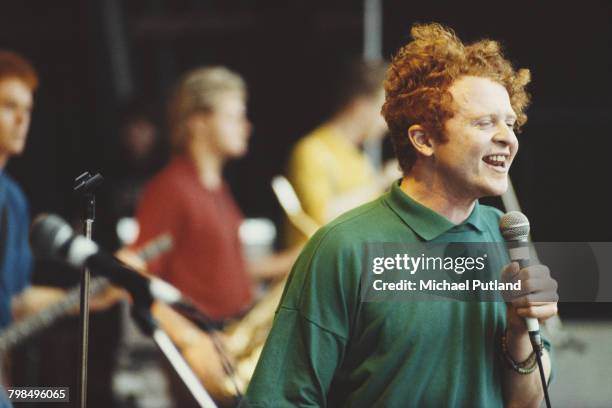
[{"x": 206, "y": 261}]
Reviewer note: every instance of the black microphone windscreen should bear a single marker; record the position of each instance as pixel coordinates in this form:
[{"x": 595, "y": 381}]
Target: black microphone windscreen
[{"x": 48, "y": 234}]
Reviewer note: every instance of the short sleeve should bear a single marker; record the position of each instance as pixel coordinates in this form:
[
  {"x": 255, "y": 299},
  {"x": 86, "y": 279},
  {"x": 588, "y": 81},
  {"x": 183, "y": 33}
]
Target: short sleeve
[{"x": 308, "y": 339}]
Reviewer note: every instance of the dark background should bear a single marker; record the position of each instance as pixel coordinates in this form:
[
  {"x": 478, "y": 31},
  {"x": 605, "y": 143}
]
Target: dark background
[{"x": 94, "y": 56}]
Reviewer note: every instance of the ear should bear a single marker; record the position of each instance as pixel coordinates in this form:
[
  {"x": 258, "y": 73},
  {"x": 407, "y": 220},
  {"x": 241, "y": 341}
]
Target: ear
[
  {"x": 197, "y": 124},
  {"x": 421, "y": 140}
]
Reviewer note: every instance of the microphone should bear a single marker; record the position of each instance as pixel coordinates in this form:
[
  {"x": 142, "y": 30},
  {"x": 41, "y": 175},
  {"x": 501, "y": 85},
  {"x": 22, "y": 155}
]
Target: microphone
[
  {"x": 514, "y": 227},
  {"x": 52, "y": 237}
]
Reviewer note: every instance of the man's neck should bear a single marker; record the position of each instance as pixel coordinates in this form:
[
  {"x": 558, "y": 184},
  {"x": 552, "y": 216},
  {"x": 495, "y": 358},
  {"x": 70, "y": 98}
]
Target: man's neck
[
  {"x": 209, "y": 167},
  {"x": 3, "y": 161},
  {"x": 434, "y": 195}
]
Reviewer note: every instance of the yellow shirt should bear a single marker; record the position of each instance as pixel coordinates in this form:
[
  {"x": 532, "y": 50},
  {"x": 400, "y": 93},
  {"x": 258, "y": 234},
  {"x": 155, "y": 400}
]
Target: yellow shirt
[{"x": 324, "y": 165}]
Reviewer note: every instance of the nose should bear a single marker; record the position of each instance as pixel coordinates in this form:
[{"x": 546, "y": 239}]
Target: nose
[
  {"x": 21, "y": 116},
  {"x": 505, "y": 135}
]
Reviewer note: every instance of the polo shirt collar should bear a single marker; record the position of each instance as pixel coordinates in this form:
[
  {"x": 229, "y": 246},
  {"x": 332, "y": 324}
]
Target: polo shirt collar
[{"x": 423, "y": 221}]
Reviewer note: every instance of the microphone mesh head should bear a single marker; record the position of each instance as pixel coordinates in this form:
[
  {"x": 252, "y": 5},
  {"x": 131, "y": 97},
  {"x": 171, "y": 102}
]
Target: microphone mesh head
[
  {"x": 514, "y": 226},
  {"x": 48, "y": 234}
]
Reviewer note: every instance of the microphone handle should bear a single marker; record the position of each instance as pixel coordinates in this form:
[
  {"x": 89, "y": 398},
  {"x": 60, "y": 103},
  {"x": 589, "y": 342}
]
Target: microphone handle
[
  {"x": 532, "y": 323},
  {"x": 520, "y": 253}
]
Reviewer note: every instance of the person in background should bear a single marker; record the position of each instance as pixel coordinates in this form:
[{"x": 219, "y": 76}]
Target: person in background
[
  {"x": 19, "y": 296},
  {"x": 189, "y": 200},
  {"x": 18, "y": 81},
  {"x": 327, "y": 167},
  {"x": 139, "y": 153},
  {"x": 140, "y": 158}
]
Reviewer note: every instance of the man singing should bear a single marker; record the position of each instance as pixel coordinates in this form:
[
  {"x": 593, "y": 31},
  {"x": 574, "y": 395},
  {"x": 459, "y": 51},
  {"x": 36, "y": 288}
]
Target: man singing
[{"x": 452, "y": 110}]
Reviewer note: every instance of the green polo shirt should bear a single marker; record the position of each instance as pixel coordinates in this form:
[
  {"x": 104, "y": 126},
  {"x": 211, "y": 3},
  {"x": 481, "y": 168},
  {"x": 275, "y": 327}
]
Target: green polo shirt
[{"x": 328, "y": 348}]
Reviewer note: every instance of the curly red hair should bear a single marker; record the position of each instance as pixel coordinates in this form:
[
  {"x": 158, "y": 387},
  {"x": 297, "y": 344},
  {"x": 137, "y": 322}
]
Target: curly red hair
[
  {"x": 419, "y": 76},
  {"x": 12, "y": 65}
]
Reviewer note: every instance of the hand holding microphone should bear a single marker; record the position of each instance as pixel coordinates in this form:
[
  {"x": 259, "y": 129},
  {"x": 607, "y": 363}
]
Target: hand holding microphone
[{"x": 537, "y": 299}]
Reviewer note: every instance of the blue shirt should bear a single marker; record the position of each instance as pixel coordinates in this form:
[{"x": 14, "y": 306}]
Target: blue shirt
[
  {"x": 15, "y": 255},
  {"x": 4, "y": 401}
]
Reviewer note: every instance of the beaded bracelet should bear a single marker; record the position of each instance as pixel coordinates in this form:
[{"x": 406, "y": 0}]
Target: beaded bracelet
[{"x": 524, "y": 367}]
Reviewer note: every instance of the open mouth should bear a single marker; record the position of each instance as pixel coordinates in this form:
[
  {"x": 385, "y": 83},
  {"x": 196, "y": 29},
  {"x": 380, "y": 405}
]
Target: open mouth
[{"x": 497, "y": 161}]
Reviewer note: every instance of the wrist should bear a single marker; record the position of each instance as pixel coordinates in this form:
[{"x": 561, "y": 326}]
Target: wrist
[
  {"x": 518, "y": 343},
  {"x": 522, "y": 366},
  {"x": 514, "y": 323}
]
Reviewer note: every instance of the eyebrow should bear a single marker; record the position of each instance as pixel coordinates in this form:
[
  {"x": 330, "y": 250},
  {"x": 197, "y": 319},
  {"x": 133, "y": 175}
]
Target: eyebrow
[{"x": 511, "y": 116}]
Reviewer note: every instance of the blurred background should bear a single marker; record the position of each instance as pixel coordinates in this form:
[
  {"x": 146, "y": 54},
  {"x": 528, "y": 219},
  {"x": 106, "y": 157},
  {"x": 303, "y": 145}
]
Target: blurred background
[{"x": 103, "y": 63}]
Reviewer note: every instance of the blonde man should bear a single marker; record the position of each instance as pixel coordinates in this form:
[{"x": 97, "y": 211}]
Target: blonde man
[{"x": 190, "y": 201}]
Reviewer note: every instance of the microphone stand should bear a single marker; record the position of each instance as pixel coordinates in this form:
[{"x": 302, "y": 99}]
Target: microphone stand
[
  {"x": 85, "y": 184},
  {"x": 141, "y": 311}
]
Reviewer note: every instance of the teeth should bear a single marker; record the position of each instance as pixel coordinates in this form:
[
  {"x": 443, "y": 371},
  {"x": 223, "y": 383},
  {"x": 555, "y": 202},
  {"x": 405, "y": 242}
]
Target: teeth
[{"x": 496, "y": 159}]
